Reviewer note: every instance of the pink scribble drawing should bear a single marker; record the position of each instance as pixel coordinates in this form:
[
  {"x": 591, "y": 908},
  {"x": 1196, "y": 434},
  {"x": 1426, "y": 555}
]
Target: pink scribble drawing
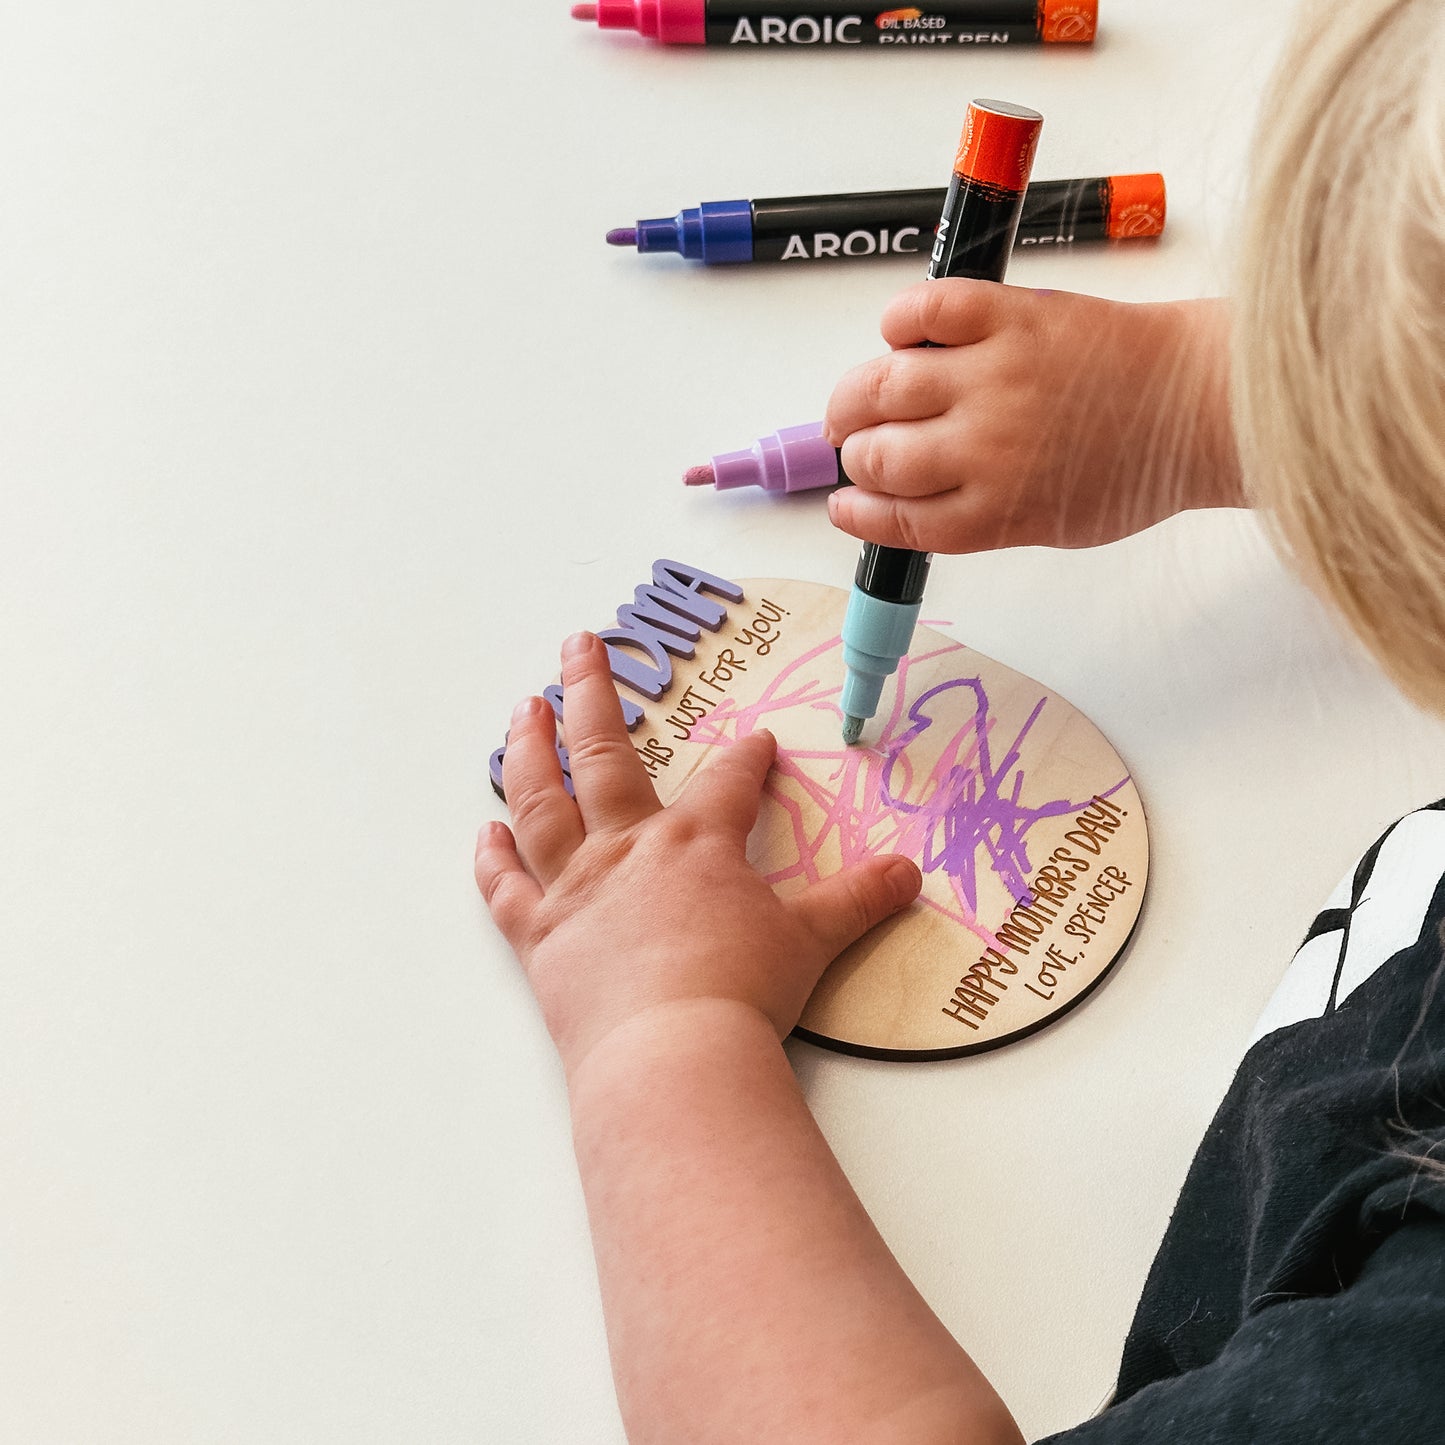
[{"x": 945, "y": 799}]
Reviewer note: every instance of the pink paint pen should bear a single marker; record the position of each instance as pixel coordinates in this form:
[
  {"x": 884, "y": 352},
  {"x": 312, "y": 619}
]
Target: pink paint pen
[{"x": 974, "y": 23}]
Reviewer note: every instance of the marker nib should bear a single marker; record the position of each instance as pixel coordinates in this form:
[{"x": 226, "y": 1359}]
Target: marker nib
[
  {"x": 623, "y": 235},
  {"x": 852, "y": 728},
  {"x": 584, "y": 12},
  {"x": 702, "y": 476}
]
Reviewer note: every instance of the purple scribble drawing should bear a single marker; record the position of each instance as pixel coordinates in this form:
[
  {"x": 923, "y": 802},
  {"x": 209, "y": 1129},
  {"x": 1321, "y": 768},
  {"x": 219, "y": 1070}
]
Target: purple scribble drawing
[{"x": 968, "y": 803}]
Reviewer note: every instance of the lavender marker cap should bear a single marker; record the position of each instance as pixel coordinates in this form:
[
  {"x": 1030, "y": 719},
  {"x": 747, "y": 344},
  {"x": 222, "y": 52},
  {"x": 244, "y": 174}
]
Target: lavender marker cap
[{"x": 794, "y": 459}]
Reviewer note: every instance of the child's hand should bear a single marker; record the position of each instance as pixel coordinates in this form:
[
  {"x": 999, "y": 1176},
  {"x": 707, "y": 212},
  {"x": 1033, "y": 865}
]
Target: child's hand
[
  {"x": 617, "y": 906},
  {"x": 1046, "y": 418}
]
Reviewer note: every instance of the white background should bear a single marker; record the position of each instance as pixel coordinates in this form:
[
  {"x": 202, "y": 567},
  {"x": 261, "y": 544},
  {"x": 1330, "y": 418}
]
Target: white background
[{"x": 324, "y": 415}]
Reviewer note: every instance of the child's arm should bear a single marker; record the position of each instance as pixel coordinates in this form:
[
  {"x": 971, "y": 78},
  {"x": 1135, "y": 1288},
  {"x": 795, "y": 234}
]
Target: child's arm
[
  {"x": 747, "y": 1295},
  {"x": 1047, "y": 418}
]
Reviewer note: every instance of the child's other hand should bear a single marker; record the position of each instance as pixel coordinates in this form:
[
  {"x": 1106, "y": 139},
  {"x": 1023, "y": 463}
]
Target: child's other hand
[
  {"x": 1042, "y": 418},
  {"x": 618, "y": 906}
]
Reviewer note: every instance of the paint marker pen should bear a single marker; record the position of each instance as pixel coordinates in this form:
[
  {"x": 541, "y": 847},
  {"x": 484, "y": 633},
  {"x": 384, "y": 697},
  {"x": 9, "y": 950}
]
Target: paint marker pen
[
  {"x": 974, "y": 239},
  {"x": 795, "y": 459},
  {"x": 855, "y": 224},
  {"x": 829, "y": 22}
]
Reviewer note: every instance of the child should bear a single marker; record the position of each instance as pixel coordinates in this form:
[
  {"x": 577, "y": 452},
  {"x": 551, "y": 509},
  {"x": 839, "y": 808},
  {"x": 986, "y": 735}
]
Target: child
[{"x": 1300, "y": 1291}]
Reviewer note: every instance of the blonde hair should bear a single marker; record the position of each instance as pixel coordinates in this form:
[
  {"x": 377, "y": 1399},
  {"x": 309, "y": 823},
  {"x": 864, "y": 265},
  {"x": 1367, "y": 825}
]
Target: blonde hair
[{"x": 1339, "y": 341}]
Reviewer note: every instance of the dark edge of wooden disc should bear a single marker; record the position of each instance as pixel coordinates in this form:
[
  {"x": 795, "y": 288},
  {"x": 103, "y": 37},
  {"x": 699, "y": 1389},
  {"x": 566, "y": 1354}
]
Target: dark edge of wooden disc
[{"x": 924, "y": 1056}]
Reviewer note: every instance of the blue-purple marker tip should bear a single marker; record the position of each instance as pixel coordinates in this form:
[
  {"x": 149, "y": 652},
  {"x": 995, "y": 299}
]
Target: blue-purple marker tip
[{"x": 622, "y": 236}]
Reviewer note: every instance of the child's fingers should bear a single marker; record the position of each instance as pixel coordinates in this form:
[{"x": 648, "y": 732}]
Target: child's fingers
[
  {"x": 727, "y": 791},
  {"x": 509, "y": 892},
  {"x": 839, "y": 910},
  {"x": 951, "y": 312},
  {"x": 612, "y": 786},
  {"x": 901, "y": 386},
  {"x": 548, "y": 826},
  {"x": 921, "y": 524},
  {"x": 906, "y": 459}
]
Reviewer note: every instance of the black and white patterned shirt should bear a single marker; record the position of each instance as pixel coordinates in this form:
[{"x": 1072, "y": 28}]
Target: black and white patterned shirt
[{"x": 1299, "y": 1294}]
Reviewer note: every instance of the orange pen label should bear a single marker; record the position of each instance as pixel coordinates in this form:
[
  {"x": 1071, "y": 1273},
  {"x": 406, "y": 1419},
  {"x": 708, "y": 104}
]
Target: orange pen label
[
  {"x": 997, "y": 150},
  {"x": 1068, "y": 22},
  {"x": 1136, "y": 206}
]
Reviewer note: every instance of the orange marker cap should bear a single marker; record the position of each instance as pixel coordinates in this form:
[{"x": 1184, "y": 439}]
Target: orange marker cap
[
  {"x": 997, "y": 145},
  {"x": 1070, "y": 22},
  {"x": 1136, "y": 206}
]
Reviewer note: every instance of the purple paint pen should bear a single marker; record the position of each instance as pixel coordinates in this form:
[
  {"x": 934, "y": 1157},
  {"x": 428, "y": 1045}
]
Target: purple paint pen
[
  {"x": 857, "y": 224},
  {"x": 795, "y": 459}
]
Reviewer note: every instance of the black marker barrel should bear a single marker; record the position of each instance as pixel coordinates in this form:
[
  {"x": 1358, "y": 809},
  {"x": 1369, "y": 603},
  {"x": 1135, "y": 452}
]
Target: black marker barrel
[
  {"x": 853, "y": 224},
  {"x": 799, "y": 22},
  {"x": 974, "y": 239},
  {"x": 850, "y": 224}
]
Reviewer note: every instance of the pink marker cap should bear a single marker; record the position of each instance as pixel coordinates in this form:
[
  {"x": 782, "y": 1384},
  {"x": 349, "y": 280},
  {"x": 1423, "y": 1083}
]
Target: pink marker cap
[{"x": 674, "y": 22}]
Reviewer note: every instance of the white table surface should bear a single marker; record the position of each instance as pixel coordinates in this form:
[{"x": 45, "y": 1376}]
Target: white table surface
[{"x": 324, "y": 415}]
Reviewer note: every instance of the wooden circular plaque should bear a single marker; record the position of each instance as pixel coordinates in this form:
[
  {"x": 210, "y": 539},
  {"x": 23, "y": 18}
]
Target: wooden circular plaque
[{"x": 1025, "y": 822}]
